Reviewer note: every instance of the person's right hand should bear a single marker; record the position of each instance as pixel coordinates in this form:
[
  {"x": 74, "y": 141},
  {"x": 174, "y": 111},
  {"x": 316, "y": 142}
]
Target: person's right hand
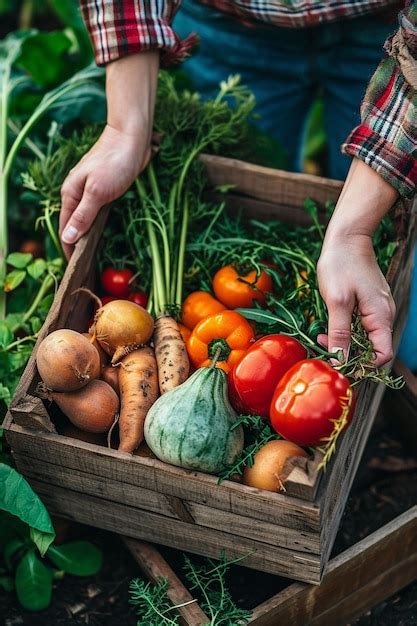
[{"x": 102, "y": 175}]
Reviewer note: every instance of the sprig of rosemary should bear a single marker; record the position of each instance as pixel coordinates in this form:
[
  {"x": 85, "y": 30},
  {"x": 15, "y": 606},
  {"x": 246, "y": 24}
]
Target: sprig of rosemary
[
  {"x": 207, "y": 580},
  {"x": 257, "y": 433}
]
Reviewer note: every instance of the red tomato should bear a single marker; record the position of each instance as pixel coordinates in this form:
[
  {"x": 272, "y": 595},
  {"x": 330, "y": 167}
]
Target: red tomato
[
  {"x": 33, "y": 247},
  {"x": 253, "y": 380},
  {"x": 116, "y": 282},
  {"x": 139, "y": 297},
  {"x": 107, "y": 299},
  {"x": 307, "y": 401}
]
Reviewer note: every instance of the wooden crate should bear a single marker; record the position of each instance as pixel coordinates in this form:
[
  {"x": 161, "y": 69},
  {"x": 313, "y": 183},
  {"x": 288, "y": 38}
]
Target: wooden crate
[
  {"x": 402, "y": 406},
  {"x": 355, "y": 581},
  {"x": 288, "y": 534}
]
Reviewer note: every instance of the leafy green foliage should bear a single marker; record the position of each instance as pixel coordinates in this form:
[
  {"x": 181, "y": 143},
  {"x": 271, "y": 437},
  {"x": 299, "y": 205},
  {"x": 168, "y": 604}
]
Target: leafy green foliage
[
  {"x": 33, "y": 583},
  {"x": 18, "y": 498},
  {"x": 152, "y": 603},
  {"x": 257, "y": 433},
  {"x": 208, "y": 581},
  {"x": 79, "y": 558},
  {"x": 44, "y": 58}
]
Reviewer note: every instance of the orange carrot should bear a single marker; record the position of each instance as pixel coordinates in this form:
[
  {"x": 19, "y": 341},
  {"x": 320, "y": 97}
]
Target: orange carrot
[{"x": 138, "y": 391}]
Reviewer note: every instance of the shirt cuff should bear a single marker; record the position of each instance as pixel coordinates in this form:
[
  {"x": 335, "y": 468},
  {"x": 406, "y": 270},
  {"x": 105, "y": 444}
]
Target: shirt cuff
[
  {"x": 140, "y": 36},
  {"x": 398, "y": 168}
]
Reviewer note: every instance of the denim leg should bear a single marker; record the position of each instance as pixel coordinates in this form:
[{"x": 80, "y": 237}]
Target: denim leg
[
  {"x": 348, "y": 55},
  {"x": 273, "y": 62}
]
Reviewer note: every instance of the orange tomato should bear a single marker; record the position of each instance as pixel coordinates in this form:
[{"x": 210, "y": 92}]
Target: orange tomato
[
  {"x": 226, "y": 334},
  {"x": 240, "y": 290},
  {"x": 197, "y": 306}
]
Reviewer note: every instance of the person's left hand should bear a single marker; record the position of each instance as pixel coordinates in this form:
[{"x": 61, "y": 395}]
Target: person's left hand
[{"x": 349, "y": 278}]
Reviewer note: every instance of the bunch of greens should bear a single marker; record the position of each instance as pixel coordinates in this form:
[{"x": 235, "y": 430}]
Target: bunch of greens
[
  {"x": 27, "y": 534},
  {"x": 207, "y": 581}
]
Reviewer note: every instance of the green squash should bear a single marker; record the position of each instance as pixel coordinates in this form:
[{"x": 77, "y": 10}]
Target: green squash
[{"x": 190, "y": 426}]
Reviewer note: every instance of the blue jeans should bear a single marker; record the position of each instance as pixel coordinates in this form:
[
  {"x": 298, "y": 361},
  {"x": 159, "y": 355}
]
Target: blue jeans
[{"x": 286, "y": 69}]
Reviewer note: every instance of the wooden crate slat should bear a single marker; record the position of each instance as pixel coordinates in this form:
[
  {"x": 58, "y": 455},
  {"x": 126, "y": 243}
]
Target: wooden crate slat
[
  {"x": 155, "y": 567},
  {"x": 168, "y": 505},
  {"x": 152, "y": 474},
  {"x": 176, "y": 534},
  {"x": 388, "y": 556},
  {"x": 271, "y": 185}
]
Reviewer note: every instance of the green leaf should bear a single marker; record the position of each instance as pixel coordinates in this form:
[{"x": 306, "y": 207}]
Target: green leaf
[
  {"x": 37, "y": 268},
  {"x": 258, "y": 315},
  {"x": 33, "y": 582},
  {"x": 44, "y": 57},
  {"x": 19, "y": 260},
  {"x": 10, "y": 549},
  {"x": 6, "y": 335},
  {"x": 7, "y": 583},
  {"x": 41, "y": 540},
  {"x": 35, "y": 324},
  {"x": 13, "y": 280},
  {"x": 5, "y": 394},
  {"x": 18, "y": 498},
  {"x": 79, "y": 558}
]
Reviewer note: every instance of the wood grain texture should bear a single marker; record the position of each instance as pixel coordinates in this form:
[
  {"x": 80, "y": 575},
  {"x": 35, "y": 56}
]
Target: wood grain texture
[
  {"x": 168, "y": 506},
  {"x": 152, "y": 474},
  {"x": 175, "y": 533},
  {"x": 155, "y": 568},
  {"x": 356, "y": 580}
]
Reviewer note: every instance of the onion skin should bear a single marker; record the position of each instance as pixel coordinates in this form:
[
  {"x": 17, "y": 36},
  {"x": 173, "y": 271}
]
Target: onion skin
[
  {"x": 110, "y": 375},
  {"x": 67, "y": 361},
  {"x": 270, "y": 468},
  {"x": 103, "y": 356},
  {"x": 92, "y": 408},
  {"x": 121, "y": 326}
]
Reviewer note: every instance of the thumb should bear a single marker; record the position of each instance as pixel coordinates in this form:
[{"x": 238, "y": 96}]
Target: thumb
[
  {"x": 82, "y": 217},
  {"x": 340, "y": 319}
]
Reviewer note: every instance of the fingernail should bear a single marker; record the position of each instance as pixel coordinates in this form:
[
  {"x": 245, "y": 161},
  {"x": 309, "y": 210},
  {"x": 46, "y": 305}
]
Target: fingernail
[{"x": 70, "y": 235}]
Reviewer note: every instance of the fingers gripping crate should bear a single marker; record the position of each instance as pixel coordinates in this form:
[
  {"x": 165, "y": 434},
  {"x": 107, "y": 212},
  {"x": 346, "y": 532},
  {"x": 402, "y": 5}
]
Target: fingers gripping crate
[{"x": 290, "y": 534}]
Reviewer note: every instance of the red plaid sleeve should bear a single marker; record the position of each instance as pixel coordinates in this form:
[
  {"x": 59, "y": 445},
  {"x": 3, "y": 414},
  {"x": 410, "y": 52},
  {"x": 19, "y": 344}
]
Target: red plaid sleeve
[
  {"x": 387, "y": 137},
  {"x": 121, "y": 27}
]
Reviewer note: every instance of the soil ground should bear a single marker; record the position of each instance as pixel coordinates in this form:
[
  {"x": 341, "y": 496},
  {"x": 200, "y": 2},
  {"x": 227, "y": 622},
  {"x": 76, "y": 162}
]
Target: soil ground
[{"x": 385, "y": 486}]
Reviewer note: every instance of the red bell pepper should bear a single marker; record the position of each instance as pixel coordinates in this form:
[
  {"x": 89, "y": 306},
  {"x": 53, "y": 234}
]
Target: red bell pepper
[{"x": 253, "y": 380}]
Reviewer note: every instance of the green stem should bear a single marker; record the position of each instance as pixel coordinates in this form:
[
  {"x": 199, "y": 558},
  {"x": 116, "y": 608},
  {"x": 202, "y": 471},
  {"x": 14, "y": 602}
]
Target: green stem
[
  {"x": 4, "y": 106},
  {"x": 171, "y": 212},
  {"x": 181, "y": 254},
  {"x": 18, "y": 342},
  {"x": 160, "y": 296},
  {"x": 29, "y": 143},
  {"x": 153, "y": 183},
  {"x": 52, "y": 233},
  {"x": 47, "y": 283}
]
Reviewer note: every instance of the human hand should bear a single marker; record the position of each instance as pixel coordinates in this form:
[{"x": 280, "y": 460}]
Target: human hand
[
  {"x": 102, "y": 175},
  {"x": 349, "y": 277}
]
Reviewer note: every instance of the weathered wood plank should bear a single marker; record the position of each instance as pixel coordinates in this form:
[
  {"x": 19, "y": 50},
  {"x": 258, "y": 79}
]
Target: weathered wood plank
[
  {"x": 155, "y": 568},
  {"x": 356, "y": 580},
  {"x": 177, "y": 534},
  {"x": 152, "y": 474},
  {"x": 168, "y": 505},
  {"x": 271, "y": 185}
]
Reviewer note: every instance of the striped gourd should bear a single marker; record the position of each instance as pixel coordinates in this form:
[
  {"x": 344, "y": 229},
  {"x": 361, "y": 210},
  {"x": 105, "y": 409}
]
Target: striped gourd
[{"x": 190, "y": 426}]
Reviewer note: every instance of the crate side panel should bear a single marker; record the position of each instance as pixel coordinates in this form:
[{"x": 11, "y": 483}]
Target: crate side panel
[
  {"x": 152, "y": 474},
  {"x": 177, "y": 534},
  {"x": 167, "y": 505}
]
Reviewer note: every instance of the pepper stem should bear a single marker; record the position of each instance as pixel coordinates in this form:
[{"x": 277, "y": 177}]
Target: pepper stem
[{"x": 221, "y": 347}]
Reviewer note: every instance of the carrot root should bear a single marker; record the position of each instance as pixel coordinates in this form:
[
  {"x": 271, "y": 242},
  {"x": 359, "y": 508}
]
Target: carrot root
[{"x": 171, "y": 354}]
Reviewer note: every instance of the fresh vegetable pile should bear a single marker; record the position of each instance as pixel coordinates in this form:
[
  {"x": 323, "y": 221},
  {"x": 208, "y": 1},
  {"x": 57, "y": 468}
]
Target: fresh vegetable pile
[{"x": 203, "y": 344}]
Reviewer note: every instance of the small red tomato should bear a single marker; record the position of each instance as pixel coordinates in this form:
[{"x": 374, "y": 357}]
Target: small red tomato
[
  {"x": 253, "y": 380},
  {"x": 107, "y": 299},
  {"x": 116, "y": 282},
  {"x": 33, "y": 247},
  {"x": 140, "y": 298},
  {"x": 308, "y": 400}
]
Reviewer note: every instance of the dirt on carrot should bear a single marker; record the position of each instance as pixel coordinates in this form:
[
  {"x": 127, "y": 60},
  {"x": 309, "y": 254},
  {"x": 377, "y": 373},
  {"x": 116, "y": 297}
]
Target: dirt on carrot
[
  {"x": 171, "y": 354},
  {"x": 138, "y": 383}
]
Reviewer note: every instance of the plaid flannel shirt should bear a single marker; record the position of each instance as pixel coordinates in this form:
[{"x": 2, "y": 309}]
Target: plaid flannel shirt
[{"x": 386, "y": 139}]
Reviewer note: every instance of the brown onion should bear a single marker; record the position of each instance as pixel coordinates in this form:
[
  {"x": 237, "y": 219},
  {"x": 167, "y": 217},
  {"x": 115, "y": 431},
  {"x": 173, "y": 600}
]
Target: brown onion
[
  {"x": 121, "y": 326},
  {"x": 67, "y": 361}
]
